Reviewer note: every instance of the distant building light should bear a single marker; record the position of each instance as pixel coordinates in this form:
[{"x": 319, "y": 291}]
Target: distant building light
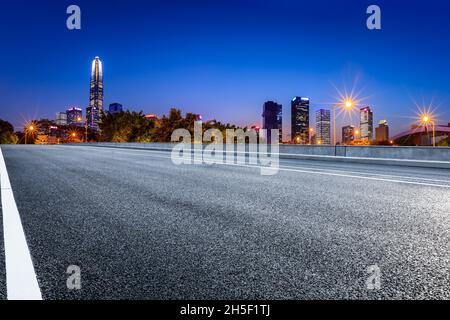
[{"x": 151, "y": 117}]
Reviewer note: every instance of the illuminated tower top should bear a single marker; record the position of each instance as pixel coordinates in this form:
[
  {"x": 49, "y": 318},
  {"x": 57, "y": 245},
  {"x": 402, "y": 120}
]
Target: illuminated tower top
[{"x": 96, "y": 87}]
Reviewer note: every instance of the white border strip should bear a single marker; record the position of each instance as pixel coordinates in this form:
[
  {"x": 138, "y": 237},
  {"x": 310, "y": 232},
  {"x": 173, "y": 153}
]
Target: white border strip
[{"x": 21, "y": 281}]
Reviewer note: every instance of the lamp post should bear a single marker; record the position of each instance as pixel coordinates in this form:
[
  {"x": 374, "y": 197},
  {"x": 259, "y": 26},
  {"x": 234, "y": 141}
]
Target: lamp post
[
  {"x": 347, "y": 105},
  {"x": 28, "y": 129},
  {"x": 426, "y": 120}
]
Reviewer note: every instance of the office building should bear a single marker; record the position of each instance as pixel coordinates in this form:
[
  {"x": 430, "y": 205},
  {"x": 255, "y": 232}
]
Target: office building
[
  {"x": 115, "y": 108},
  {"x": 74, "y": 117},
  {"x": 272, "y": 119},
  {"x": 382, "y": 132},
  {"x": 366, "y": 116},
  {"x": 61, "y": 119},
  {"x": 300, "y": 120},
  {"x": 323, "y": 126}
]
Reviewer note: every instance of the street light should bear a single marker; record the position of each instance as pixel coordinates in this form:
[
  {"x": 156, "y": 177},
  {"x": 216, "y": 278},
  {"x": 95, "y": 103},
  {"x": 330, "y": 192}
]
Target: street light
[
  {"x": 427, "y": 119},
  {"x": 311, "y": 131},
  {"x": 28, "y": 129},
  {"x": 347, "y": 105}
]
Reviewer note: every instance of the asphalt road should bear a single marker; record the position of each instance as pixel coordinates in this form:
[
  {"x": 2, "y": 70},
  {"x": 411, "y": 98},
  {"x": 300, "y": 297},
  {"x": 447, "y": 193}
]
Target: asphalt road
[{"x": 140, "y": 227}]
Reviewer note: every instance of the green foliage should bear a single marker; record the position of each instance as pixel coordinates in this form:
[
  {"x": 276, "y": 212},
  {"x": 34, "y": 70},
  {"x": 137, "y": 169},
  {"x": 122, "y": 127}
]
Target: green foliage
[
  {"x": 167, "y": 125},
  {"x": 7, "y": 135},
  {"x": 125, "y": 126},
  {"x": 444, "y": 143},
  {"x": 134, "y": 127}
]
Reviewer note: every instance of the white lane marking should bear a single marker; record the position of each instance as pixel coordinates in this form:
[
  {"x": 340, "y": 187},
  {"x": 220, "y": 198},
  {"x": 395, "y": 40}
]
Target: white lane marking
[
  {"x": 306, "y": 171},
  {"x": 21, "y": 281}
]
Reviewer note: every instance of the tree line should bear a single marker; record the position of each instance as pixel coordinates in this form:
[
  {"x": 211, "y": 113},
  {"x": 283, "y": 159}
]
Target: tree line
[{"x": 130, "y": 126}]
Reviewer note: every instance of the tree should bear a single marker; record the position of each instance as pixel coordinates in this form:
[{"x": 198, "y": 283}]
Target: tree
[
  {"x": 7, "y": 135},
  {"x": 167, "y": 125},
  {"x": 125, "y": 126},
  {"x": 444, "y": 143},
  {"x": 134, "y": 127}
]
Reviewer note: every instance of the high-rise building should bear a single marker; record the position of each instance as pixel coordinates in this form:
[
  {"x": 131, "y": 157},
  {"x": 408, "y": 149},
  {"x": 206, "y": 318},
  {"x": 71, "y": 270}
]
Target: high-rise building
[
  {"x": 61, "y": 119},
  {"x": 366, "y": 124},
  {"x": 95, "y": 108},
  {"x": 300, "y": 120},
  {"x": 348, "y": 134},
  {"x": 74, "y": 117},
  {"x": 272, "y": 119},
  {"x": 115, "y": 108},
  {"x": 323, "y": 126},
  {"x": 382, "y": 132}
]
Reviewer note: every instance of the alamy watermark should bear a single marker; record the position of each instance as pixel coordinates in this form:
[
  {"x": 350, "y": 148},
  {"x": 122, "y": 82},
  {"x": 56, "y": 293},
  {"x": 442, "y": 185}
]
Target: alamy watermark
[
  {"x": 73, "y": 22},
  {"x": 74, "y": 280},
  {"x": 240, "y": 147},
  {"x": 373, "y": 282},
  {"x": 374, "y": 20}
]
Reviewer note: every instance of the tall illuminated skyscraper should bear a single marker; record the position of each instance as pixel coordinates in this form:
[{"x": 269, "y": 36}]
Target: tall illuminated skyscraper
[
  {"x": 323, "y": 126},
  {"x": 300, "y": 120},
  {"x": 95, "y": 95},
  {"x": 366, "y": 124}
]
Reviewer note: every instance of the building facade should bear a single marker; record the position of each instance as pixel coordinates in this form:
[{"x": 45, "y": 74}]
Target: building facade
[
  {"x": 348, "y": 134},
  {"x": 61, "y": 119},
  {"x": 300, "y": 120},
  {"x": 115, "y": 108},
  {"x": 93, "y": 112},
  {"x": 382, "y": 132},
  {"x": 366, "y": 116},
  {"x": 272, "y": 119},
  {"x": 323, "y": 126},
  {"x": 74, "y": 117}
]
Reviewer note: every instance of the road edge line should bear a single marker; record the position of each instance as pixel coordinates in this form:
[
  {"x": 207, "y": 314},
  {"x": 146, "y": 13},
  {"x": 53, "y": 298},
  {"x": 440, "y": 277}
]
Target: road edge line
[{"x": 21, "y": 280}]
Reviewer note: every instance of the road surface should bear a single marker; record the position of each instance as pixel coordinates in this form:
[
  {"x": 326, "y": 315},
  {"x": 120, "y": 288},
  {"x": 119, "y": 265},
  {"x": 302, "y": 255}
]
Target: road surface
[{"x": 140, "y": 227}]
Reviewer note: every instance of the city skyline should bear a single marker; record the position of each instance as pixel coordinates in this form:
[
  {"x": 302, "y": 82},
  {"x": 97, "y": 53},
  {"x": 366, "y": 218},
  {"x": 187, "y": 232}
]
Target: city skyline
[{"x": 223, "y": 78}]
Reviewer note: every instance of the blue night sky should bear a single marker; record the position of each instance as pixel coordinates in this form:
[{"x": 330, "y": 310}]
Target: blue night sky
[{"x": 223, "y": 59}]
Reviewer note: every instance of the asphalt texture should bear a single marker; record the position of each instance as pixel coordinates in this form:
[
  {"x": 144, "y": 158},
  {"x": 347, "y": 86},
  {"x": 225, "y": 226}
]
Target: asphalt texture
[{"x": 140, "y": 227}]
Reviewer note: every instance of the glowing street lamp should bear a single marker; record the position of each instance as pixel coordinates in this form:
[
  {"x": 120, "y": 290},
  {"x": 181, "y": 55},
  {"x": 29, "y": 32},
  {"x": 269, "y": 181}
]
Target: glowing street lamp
[
  {"x": 426, "y": 119},
  {"x": 347, "y": 104},
  {"x": 28, "y": 129}
]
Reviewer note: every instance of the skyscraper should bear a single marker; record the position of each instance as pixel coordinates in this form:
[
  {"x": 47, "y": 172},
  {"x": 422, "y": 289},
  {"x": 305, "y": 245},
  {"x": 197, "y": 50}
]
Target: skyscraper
[
  {"x": 272, "y": 119},
  {"x": 300, "y": 120},
  {"x": 95, "y": 95},
  {"x": 115, "y": 108},
  {"x": 323, "y": 126},
  {"x": 366, "y": 124},
  {"x": 348, "y": 134},
  {"x": 382, "y": 132},
  {"x": 74, "y": 117}
]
